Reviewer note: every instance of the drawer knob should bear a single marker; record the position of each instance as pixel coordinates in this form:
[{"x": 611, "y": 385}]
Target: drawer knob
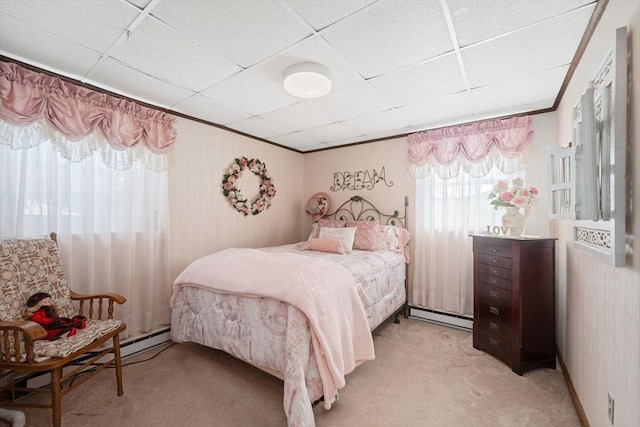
[
  {"x": 493, "y": 294},
  {"x": 494, "y": 310},
  {"x": 493, "y": 250},
  {"x": 494, "y": 326},
  {"x": 493, "y": 271},
  {"x": 493, "y": 260},
  {"x": 493, "y": 280},
  {"x": 494, "y": 342}
]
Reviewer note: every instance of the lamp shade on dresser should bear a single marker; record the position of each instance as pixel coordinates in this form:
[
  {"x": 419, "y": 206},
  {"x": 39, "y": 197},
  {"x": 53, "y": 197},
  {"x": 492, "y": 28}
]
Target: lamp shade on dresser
[{"x": 514, "y": 300}]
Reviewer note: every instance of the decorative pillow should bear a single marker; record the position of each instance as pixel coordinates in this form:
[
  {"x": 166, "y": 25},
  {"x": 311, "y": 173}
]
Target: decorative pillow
[
  {"x": 387, "y": 239},
  {"x": 366, "y": 234},
  {"x": 328, "y": 245},
  {"x": 325, "y": 223},
  {"x": 315, "y": 229},
  {"x": 346, "y": 234}
]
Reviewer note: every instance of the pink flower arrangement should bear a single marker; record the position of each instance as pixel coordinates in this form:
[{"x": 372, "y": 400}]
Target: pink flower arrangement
[
  {"x": 230, "y": 189},
  {"x": 517, "y": 195}
]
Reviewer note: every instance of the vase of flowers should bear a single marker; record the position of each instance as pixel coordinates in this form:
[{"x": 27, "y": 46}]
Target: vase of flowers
[{"x": 513, "y": 198}]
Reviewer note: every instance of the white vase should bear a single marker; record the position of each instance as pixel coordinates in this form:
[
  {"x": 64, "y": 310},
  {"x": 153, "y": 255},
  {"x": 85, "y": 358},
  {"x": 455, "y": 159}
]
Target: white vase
[{"x": 512, "y": 222}]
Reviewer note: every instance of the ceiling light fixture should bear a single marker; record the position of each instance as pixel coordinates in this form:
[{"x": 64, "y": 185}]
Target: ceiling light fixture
[{"x": 307, "y": 80}]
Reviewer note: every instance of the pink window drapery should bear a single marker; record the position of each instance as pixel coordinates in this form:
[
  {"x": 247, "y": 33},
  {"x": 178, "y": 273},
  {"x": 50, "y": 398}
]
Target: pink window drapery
[
  {"x": 474, "y": 148},
  {"x": 77, "y": 112}
]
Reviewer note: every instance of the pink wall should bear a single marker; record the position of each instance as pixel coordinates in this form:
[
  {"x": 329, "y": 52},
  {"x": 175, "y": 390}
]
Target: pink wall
[
  {"x": 202, "y": 220},
  {"x": 600, "y": 318}
]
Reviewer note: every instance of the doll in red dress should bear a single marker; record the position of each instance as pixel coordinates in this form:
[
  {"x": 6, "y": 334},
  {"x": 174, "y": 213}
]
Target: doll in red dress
[{"x": 41, "y": 310}]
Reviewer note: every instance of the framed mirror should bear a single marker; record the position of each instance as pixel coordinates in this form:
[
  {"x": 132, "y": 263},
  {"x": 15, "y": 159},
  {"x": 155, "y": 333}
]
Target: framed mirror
[{"x": 600, "y": 132}]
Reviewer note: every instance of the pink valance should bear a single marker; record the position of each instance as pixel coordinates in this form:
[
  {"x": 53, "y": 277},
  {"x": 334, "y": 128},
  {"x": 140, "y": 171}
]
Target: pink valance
[
  {"x": 76, "y": 112},
  {"x": 474, "y": 147}
]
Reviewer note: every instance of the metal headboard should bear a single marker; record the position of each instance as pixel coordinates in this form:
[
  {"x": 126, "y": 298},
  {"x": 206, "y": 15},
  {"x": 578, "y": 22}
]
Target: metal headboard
[{"x": 360, "y": 209}]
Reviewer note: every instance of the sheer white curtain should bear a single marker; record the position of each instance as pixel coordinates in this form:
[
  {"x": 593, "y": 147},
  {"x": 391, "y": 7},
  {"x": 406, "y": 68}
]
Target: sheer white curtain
[
  {"x": 456, "y": 168},
  {"x": 112, "y": 224},
  {"x": 447, "y": 211}
]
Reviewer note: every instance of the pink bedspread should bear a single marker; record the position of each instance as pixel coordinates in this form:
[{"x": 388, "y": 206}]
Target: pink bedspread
[{"x": 324, "y": 291}]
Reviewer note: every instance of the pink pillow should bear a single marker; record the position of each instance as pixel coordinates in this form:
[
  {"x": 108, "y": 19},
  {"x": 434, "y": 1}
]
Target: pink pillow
[
  {"x": 325, "y": 223},
  {"x": 366, "y": 234},
  {"x": 327, "y": 245}
]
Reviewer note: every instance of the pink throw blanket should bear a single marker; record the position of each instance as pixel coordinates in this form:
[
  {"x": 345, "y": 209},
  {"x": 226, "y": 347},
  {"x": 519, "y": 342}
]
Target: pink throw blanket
[{"x": 323, "y": 290}]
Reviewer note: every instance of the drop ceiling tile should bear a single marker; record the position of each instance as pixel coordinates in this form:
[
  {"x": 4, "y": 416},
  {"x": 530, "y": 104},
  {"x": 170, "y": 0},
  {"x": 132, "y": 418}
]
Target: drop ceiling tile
[
  {"x": 247, "y": 92},
  {"x": 210, "y": 110},
  {"x": 311, "y": 49},
  {"x": 534, "y": 91},
  {"x": 402, "y": 33},
  {"x": 96, "y": 24},
  {"x": 321, "y": 14},
  {"x": 176, "y": 60},
  {"x": 332, "y": 132},
  {"x": 426, "y": 114},
  {"x": 432, "y": 79},
  {"x": 541, "y": 47},
  {"x": 38, "y": 47},
  {"x": 378, "y": 123},
  {"x": 501, "y": 16},
  {"x": 297, "y": 117},
  {"x": 116, "y": 77},
  {"x": 257, "y": 126},
  {"x": 140, "y": 4},
  {"x": 245, "y": 32},
  {"x": 351, "y": 102}
]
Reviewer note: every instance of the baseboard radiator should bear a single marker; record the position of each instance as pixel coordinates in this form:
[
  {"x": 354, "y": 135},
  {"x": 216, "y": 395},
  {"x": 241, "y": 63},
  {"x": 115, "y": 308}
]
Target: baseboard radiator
[
  {"x": 442, "y": 318},
  {"x": 128, "y": 347}
]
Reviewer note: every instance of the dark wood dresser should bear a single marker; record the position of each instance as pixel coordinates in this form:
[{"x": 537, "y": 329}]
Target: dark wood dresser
[{"x": 514, "y": 300}]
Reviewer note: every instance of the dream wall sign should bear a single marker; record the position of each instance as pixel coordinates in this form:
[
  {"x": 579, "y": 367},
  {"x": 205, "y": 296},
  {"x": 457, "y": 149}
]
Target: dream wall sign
[{"x": 360, "y": 180}]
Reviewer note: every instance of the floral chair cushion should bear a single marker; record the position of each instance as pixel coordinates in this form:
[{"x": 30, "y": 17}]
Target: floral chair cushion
[{"x": 28, "y": 266}]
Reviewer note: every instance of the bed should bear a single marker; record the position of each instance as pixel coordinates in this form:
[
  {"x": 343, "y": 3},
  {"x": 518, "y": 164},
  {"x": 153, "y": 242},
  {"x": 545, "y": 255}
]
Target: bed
[{"x": 302, "y": 312}]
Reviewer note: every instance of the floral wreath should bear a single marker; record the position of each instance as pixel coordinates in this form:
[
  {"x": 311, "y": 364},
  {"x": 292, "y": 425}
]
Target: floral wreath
[{"x": 232, "y": 192}]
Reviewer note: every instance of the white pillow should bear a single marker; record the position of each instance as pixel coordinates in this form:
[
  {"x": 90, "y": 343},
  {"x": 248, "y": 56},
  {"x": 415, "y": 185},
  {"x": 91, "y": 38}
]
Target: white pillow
[
  {"x": 346, "y": 234},
  {"x": 387, "y": 238}
]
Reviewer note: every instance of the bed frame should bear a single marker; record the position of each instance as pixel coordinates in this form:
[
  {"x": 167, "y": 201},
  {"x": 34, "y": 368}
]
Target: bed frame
[{"x": 358, "y": 208}]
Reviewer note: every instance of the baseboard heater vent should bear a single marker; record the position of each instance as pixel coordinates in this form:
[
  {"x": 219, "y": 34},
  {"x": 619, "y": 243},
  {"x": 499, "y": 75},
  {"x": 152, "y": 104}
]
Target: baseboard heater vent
[
  {"x": 128, "y": 347},
  {"x": 442, "y": 318}
]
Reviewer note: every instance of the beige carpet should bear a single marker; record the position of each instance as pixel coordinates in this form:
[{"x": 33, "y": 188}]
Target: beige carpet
[{"x": 423, "y": 375}]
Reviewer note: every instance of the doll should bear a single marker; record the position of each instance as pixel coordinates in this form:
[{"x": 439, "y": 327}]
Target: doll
[{"x": 41, "y": 310}]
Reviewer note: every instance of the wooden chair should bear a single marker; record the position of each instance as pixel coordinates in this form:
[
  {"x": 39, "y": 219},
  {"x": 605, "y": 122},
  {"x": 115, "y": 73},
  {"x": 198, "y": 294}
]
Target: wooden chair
[{"x": 28, "y": 266}]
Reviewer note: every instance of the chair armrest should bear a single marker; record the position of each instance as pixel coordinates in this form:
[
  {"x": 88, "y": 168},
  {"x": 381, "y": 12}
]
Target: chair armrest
[
  {"x": 17, "y": 340},
  {"x": 117, "y": 298},
  {"x": 29, "y": 329},
  {"x": 99, "y": 300}
]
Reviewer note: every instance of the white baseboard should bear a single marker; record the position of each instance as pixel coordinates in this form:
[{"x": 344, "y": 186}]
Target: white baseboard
[
  {"x": 144, "y": 342},
  {"x": 442, "y": 318},
  {"x": 128, "y": 347}
]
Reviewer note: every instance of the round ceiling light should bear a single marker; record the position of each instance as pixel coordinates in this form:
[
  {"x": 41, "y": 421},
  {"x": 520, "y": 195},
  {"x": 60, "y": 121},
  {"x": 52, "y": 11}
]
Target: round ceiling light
[{"x": 307, "y": 80}]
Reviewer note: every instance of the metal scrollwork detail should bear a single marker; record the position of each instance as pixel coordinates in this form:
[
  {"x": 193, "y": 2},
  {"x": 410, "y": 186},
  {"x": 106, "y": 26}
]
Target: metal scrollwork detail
[{"x": 359, "y": 180}]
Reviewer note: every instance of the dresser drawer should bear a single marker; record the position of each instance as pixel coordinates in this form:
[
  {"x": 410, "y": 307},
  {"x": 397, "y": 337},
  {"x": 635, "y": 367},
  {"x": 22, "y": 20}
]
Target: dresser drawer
[
  {"x": 495, "y": 281},
  {"x": 498, "y": 261},
  {"x": 495, "y": 271},
  {"x": 490, "y": 249},
  {"x": 493, "y": 344},
  {"x": 497, "y": 324},
  {"x": 495, "y": 309},
  {"x": 495, "y": 296}
]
